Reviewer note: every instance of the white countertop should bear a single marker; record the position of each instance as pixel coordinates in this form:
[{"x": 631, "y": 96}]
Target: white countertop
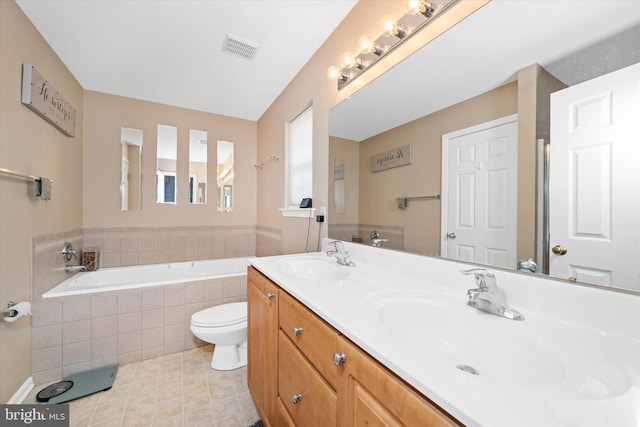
[{"x": 573, "y": 361}]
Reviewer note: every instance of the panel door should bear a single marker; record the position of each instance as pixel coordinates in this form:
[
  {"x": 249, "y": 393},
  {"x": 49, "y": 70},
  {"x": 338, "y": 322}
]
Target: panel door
[
  {"x": 594, "y": 188},
  {"x": 481, "y": 198}
]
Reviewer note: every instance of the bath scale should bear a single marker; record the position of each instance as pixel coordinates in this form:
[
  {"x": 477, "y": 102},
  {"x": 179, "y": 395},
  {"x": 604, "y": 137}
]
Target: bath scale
[{"x": 79, "y": 385}]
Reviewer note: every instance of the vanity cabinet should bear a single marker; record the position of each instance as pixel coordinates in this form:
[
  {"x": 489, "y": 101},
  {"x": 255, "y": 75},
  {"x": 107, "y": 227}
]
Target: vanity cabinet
[
  {"x": 262, "y": 344},
  {"x": 371, "y": 395},
  {"x": 321, "y": 378}
]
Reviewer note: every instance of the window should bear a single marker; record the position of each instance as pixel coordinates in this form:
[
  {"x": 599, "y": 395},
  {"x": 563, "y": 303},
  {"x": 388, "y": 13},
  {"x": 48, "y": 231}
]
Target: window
[{"x": 300, "y": 144}]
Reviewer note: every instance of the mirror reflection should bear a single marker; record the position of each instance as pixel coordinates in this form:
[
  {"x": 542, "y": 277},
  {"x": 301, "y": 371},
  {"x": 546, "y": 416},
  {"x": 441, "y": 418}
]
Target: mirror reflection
[
  {"x": 197, "y": 166},
  {"x": 131, "y": 169},
  {"x": 225, "y": 175},
  {"x": 464, "y": 85},
  {"x": 167, "y": 148}
]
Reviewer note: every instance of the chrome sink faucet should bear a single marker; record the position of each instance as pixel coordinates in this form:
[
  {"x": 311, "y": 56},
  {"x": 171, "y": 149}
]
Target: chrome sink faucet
[
  {"x": 486, "y": 296},
  {"x": 341, "y": 254}
]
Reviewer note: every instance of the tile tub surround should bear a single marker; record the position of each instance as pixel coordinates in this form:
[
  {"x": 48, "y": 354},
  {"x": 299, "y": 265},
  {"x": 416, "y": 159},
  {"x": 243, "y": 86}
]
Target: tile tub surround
[
  {"x": 73, "y": 334},
  {"x": 119, "y": 247}
]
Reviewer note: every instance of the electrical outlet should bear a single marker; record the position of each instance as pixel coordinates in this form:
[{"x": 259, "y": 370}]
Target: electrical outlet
[{"x": 319, "y": 218}]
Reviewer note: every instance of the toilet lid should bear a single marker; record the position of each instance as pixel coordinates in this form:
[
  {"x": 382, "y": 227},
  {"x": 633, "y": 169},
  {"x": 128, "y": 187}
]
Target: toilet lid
[{"x": 221, "y": 315}]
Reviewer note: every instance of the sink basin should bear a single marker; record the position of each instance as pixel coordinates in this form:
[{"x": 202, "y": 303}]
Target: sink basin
[
  {"x": 314, "y": 268},
  {"x": 528, "y": 354}
]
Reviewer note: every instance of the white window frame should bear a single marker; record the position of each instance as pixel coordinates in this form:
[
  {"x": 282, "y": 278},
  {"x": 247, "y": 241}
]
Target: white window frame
[{"x": 299, "y": 155}]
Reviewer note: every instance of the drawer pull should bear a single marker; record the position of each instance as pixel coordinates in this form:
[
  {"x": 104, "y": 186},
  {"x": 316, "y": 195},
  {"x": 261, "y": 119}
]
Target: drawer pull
[
  {"x": 297, "y": 330},
  {"x": 296, "y": 398},
  {"x": 271, "y": 295},
  {"x": 339, "y": 358}
]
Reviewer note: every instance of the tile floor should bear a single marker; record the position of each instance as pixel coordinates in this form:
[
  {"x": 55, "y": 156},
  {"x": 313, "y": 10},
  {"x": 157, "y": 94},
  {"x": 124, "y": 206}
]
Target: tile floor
[{"x": 178, "y": 389}]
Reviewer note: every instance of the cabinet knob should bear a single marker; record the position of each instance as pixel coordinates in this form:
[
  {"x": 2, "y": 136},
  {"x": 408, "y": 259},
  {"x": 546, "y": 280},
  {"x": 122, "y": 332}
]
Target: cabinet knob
[
  {"x": 271, "y": 295},
  {"x": 339, "y": 358},
  {"x": 297, "y": 330},
  {"x": 295, "y": 398}
]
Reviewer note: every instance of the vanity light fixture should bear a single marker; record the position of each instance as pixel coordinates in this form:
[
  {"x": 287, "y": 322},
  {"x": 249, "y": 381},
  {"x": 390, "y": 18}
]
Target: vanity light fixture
[{"x": 394, "y": 32}]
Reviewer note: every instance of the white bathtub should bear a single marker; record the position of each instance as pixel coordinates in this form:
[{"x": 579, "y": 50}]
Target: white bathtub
[{"x": 141, "y": 276}]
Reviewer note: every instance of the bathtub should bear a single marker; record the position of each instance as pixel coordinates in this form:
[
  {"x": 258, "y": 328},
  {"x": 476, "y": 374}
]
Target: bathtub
[{"x": 142, "y": 276}]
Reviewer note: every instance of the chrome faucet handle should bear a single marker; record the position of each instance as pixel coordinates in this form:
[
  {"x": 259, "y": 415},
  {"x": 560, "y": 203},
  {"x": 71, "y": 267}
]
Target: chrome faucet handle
[
  {"x": 485, "y": 279},
  {"x": 337, "y": 247}
]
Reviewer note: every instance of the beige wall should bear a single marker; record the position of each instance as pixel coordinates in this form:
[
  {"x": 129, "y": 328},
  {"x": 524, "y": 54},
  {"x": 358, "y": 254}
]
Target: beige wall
[
  {"x": 346, "y": 153},
  {"x": 31, "y": 145},
  {"x": 311, "y": 85},
  {"x": 106, "y": 114},
  {"x": 378, "y": 191}
]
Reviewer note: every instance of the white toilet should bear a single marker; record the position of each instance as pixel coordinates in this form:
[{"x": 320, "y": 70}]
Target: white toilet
[{"x": 226, "y": 327}]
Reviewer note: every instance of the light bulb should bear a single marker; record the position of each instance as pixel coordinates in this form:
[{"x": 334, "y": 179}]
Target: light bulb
[
  {"x": 390, "y": 27},
  {"x": 348, "y": 60},
  {"x": 333, "y": 73},
  {"x": 367, "y": 45},
  {"x": 414, "y": 6}
]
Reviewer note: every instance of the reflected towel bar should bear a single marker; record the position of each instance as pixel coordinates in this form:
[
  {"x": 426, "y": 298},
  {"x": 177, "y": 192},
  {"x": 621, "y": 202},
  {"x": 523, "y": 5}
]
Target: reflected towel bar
[
  {"x": 402, "y": 201},
  {"x": 265, "y": 161}
]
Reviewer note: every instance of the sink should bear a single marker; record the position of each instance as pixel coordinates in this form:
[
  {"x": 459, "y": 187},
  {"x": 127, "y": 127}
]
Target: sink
[
  {"x": 529, "y": 354},
  {"x": 314, "y": 268}
]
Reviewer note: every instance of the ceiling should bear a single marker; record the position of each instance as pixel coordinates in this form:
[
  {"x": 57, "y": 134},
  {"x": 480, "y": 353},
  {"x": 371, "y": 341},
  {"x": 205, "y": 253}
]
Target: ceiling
[{"x": 170, "y": 51}]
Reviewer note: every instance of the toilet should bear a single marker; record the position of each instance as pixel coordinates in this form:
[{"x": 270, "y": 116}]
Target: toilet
[{"x": 225, "y": 326}]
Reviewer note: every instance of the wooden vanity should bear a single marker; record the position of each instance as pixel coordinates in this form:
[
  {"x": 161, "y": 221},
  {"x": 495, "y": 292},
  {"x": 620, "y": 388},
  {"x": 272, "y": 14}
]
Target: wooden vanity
[{"x": 303, "y": 372}]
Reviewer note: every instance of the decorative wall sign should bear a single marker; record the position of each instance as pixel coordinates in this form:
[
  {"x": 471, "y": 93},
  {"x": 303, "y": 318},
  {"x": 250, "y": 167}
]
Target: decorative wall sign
[
  {"x": 41, "y": 97},
  {"x": 338, "y": 172},
  {"x": 400, "y": 156}
]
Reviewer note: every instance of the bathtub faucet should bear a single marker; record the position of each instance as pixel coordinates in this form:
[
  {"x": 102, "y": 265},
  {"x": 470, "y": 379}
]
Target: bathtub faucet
[{"x": 72, "y": 268}]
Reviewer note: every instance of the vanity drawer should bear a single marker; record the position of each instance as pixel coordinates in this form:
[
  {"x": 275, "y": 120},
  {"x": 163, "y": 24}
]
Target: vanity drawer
[
  {"x": 315, "y": 338},
  {"x": 308, "y": 399}
]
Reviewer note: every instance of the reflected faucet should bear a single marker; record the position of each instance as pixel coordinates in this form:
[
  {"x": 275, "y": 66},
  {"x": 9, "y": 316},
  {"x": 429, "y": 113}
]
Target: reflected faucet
[
  {"x": 342, "y": 256},
  {"x": 375, "y": 239},
  {"x": 486, "y": 296}
]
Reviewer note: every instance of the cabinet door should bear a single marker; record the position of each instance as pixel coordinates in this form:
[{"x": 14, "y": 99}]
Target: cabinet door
[
  {"x": 262, "y": 344},
  {"x": 372, "y": 396}
]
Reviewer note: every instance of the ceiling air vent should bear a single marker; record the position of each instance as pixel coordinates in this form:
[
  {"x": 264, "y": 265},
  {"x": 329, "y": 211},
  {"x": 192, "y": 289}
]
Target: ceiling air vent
[{"x": 240, "y": 47}]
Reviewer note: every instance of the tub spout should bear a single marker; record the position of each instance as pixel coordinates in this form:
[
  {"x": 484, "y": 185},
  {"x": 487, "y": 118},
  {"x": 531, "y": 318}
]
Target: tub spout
[{"x": 72, "y": 268}]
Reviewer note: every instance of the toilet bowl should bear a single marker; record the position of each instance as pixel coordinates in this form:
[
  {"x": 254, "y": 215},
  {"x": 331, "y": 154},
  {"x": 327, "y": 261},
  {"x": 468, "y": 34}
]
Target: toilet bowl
[{"x": 225, "y": 326}]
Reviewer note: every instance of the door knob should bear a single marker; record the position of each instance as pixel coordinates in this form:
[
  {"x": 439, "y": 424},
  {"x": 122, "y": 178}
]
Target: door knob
[
  {"x": 451, "y": 235},
  {"x": 559, "y": 250}
]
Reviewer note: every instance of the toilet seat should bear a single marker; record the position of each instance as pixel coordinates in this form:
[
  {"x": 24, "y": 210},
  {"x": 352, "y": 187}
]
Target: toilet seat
[{"x": 221, "y": 315}]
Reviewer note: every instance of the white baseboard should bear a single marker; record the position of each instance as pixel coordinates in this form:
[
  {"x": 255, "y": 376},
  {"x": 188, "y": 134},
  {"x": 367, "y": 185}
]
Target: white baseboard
[{"x": 22, "y": 393}]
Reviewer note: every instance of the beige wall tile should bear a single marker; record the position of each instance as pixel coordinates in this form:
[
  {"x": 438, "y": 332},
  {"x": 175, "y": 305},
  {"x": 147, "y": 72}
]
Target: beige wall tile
[
  {"x": 73, "y": 369},
  {"x": 150, "y": 353},
  {"x": 45, "y": 314},
  {"x": 74, "y": 310},
  {"x": 130, "y": 342},
  {"x": 76, "y": 353},
  {"x": 129, "y": 302},
  {"x": 125, "y": 358},
  {"x": 102, "y": 348},
  {"x": 174, "y": 347},
  {"x": 130, "y": 322},
  {"x": 152, "y": 319},
  {"x": 46, "y": 336},
  {"x": 153, "y": 338},
  {"x": 174, "y": 315},
  {"x": 46, "y": 359},
  {"x": 76, "y": 331},
  {"x": 174, "y": 333},
  {"x": 153, "y": 298},
  {"x": 104, "y": 326},
  {"x": 104, "y": 306},
  {"x": 174, "y": 295}
]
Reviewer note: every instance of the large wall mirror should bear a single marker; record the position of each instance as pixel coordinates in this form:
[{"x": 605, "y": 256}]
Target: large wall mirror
[
  {"x": 225, "y": 176},
  {"x": 131, "y": 169},
  {"x": 167, "y": 148},
  {"x": 468, "y": 98},
  {"x": 197, "y": 166}
]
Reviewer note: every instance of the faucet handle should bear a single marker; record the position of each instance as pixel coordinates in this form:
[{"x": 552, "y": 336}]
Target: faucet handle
[{"x": 485, "y": 279}]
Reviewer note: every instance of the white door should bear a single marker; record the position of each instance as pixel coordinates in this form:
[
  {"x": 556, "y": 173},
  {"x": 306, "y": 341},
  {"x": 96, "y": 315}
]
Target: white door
[
  {"x": 480, "y": 193},
  {"x": 594, "y": 187}
]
